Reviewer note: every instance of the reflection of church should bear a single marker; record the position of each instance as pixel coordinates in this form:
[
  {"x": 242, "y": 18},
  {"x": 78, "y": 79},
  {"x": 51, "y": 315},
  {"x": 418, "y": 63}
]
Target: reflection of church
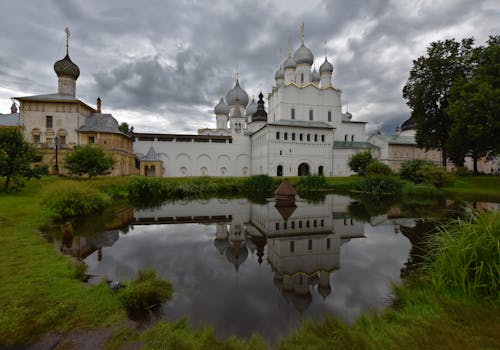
[{"x": 303, "y": 243}]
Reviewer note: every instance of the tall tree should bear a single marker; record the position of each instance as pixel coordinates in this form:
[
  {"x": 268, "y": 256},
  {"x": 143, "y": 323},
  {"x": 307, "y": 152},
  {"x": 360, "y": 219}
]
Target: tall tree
[
  {"x": 475, "y": 108},
  {"x": 88, "y": 159},
  {"x": 427, "y": 90},
  {"x": 16, "y": 155}
]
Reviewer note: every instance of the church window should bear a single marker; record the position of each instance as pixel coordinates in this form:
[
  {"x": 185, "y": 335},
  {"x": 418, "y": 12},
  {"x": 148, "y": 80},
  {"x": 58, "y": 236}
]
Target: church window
[
  {"x": 300, "y": 137},
  {"x": 292, "y": 113},
  {"x": 310, "y": 114},
  {"x": 302, "y": 78},
  {"x": 329, "y": 116},
  {"x": 308, "y": 137},
  {"x": 285, "y": 225},
  {"x": 48, "y": 122},
  {"x": 285, "y": 136},
  {"x": 328, "y": 243},
  {"x": 315, "y": 137},
  {"x": 292, "y": 246},
  {"x": 277, "y": 135},
  {"x": 307, "y": 223},
  {"x": 91, "y": 139},
  {"x": 345, "y": 137},
  {"x": 315, "y": 223},
  {"x": 322, "y": 138},
  {"x": 300, "y": 223},
  {"x": 322, "y": 223},
  {"x": 320, "y": 172},
  {"x": 277, "y": 226},
  {"x": 36, "y": 138},
  {"x": 281, "y": 152},
  {"x": 352, "y": 138},
  {"x": 62, "y": 140},
  {"x": 293, "y": 224},
  {"x": 310, "y": 244},
  {"x": 293, "y": 136}
]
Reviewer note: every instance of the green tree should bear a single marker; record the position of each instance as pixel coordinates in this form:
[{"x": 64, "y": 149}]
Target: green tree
[
  {"x": 475, "y": 108},
  {"x": 427, "y": 90},
  {"x": 16, "y": 155},
  {"x": 126, "y": 129},
  {"x": 359, "y": 161},
  {"x": 88, "y": 159}
]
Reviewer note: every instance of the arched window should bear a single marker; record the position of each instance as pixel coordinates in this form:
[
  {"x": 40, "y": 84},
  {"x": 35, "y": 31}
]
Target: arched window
[
  {"x": 308, "y": 137},
  {"x": 285, "y": 136},
  {"x": 315, "y": 137},
  {"x": 279, "y": 170},
  {"x": 302, "y": 78},
  {"x": 277, "y": 135},
  {"x": 320, "y": 170}
]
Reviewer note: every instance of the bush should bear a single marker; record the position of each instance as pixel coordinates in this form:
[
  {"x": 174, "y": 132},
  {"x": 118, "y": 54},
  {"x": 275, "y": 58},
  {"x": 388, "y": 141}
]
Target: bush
[
  {"x": 311, "y": 183},
  {"x": 145, "y": 292},
  {"x": 409, "y": 169},
  {"x": 434, "y": 175},
  {"x": 359, "y": 161},
  {"x": 380, "y": 185},
  {"x": 71, "y": 198},
  {"x": 260, "y": 184},
  {"x": 88, "y": 159},
  {"x": 378, "y": 168},
  {"x": 464, "y": 256},
  {"x": 462, "y": 171}
]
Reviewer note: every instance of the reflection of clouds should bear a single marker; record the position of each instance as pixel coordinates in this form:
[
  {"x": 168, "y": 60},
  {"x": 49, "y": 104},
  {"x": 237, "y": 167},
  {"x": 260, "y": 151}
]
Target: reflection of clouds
[{"x": 208, "y": 290}]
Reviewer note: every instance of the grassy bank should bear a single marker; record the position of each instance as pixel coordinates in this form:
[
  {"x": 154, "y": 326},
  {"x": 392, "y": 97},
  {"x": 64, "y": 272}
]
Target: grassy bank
[
  {"x": 40, "y": 292},
  {"x": 475, "y": 188}
]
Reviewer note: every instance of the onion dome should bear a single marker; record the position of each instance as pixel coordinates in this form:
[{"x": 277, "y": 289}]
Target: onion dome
[
  {"x": 348, "y": 115},
  {"x": 303, "y": 55},
  {"x": 66, "y": 67},
  {"x": 260, "y": 114},
  {"x": 236, "y": 254},
  {"x": 279, "y": 73},
  {"x": 289, "y": 62},
  {"x": 237, "y": 94},
  {"x": 315, "y": 76},
  {"x": 221, "y": 245},
  {"x": 326, "y": 67},
  {"x": 221, "y": 108},
  {"x": 251, "y": 108}
]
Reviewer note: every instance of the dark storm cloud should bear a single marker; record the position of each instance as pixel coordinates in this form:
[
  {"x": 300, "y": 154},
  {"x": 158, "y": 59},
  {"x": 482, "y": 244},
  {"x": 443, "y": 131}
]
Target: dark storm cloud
[{"x": 167, "y": 63}]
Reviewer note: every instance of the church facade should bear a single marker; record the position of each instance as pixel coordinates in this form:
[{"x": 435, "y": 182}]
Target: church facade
[{"x": 303, "y": 132}]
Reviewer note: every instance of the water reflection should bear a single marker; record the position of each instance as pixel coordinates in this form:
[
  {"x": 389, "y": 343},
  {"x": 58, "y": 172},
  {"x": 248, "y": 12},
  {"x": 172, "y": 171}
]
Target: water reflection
[{"x": 246, "y": 268}]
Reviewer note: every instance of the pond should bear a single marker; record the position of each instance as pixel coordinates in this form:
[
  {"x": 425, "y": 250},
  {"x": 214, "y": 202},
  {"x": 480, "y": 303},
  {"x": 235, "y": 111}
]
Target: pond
[{"x": 247, "y": 268}]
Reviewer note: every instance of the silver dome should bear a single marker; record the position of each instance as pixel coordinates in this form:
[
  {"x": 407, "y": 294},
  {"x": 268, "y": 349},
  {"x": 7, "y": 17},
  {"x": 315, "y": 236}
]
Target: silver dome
[
  {"x": 303, "y": 55},
  {"x": 221, "y": 108},
  {"x": 279, "y": 74},
  {"x": 251, "y": 108},
  {"x": 289, "y": 62},
  {"x": 315, "y": 76},
  {"x": 326, "y": 67},
  {"x": 237, "y": 93}
]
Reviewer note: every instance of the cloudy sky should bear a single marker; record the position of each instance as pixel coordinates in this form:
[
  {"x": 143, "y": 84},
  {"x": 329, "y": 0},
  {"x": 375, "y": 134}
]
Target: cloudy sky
[{"x": 162, "y": 65}]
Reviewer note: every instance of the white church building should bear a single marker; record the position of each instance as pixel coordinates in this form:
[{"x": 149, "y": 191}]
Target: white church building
[{"x": 304, "y": 131}]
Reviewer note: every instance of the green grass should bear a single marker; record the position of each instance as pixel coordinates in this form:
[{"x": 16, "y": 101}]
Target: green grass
[{"x": 475, "y": 188}]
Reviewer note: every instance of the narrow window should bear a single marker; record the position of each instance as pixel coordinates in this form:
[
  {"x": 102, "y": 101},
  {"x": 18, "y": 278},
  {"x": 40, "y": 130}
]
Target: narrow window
[
  {"x": 300, "y": 137},
  {"x": 300, "y": 223},
  {"x": 48, "y": 122},
  {"x": 277, "y": 135},
  {"x": 329, "y": 116},
  {"x": 293, "y": 224},
  {"x": 293, "y": 136},
  {"x": 322, "y": 223},
  {"x": 285, "y": 225},
  {"x": 352, "y": 138},
  {"x": 310, "y": 114},
  {"x": 345, "y": 221},
  {"x": 322, "y": 138},
  {"x": 307, "y": 223},
  {"x": 292, "y": 113},
  {"x": 292, "y": 246},
  {"x": 277, "y": 226},
  {"x": 328, "y": 243},
  {"x": 302, "y": 78},
  {"x": 310, "y": 244},
  {"x": 345, "y": 137},
  {"x": 91, "y": 139},
  {"x": 315, "y": 223},
  {"x": 308, "y": 137},
  {"x": 315, "y": 137},
  {"x": 285, "y": 136},
  {"x": 281, "y": 152}
]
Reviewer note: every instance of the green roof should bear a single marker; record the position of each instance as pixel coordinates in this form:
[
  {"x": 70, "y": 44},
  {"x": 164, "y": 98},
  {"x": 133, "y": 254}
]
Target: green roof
[
  {"x": 398, "y": 139},
  {"x": 353, "y": 144}
]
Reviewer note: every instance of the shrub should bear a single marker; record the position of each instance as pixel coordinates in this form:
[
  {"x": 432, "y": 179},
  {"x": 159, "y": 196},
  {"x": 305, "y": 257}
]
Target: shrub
[
  {"x": 71, "y": 198},
  {"x": 145, "y": 292},
  {"x": 88, "y": 159},
  {"x": 311, "y": 183},
  {"x": 260, "y": 184},
  {"x": 462, "y": 171},
  {"x": 434, "y": 175},
  {"x": 464, "y": 256},
  {"x": 359, "y": 161},
  {"x": 380, "y": 185},
  {"x": 409, "y": 169},
  {"x": 378, "y": 168}
]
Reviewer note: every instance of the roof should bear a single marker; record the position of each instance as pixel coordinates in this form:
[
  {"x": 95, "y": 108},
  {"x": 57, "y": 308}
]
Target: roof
[
  {"x": 183, "y": 136},
  {"x": 53, "y": 98},
  {"x": 398, "y": 139},
  {"x": 354, "y": 144},
  {"x": 285, "y": 189},
  {"x": 98, "y": 122},
  {"x": 11, "y": 119},
  {"x": 302, "y": 124},
  {"x": 409, "y": 124}
]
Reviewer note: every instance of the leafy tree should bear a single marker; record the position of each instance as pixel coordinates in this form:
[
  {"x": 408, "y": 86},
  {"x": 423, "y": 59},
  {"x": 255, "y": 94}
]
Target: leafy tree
[
  {"x": 427, "y": 90},
  {"x": 378, "y": 168},
  {"x": 88, "y": 159},
  {"x": 434, "y": 175},
  {"x": 475, "y": 108},
  {"x": 16, "y": 155},
  {"x": 126, "y": 129},
  {"x": 409, "y": 169},
  {"x": 359, "y": 161}
]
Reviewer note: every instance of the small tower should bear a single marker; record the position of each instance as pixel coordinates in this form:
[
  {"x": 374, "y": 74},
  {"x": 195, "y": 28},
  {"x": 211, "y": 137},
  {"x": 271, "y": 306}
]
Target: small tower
[
  {"x": 260, "y": 114},
  {"x": 13, "y": 108},
  {"x": 289, "y": 66},
  {"x": 304, "y": 59},
  {"x": 67, "y": 72},
  {"x": 221, "y": 111}
]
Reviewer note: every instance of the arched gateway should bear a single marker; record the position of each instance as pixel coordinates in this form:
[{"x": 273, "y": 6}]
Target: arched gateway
[{"x": 303, "y": 169}]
